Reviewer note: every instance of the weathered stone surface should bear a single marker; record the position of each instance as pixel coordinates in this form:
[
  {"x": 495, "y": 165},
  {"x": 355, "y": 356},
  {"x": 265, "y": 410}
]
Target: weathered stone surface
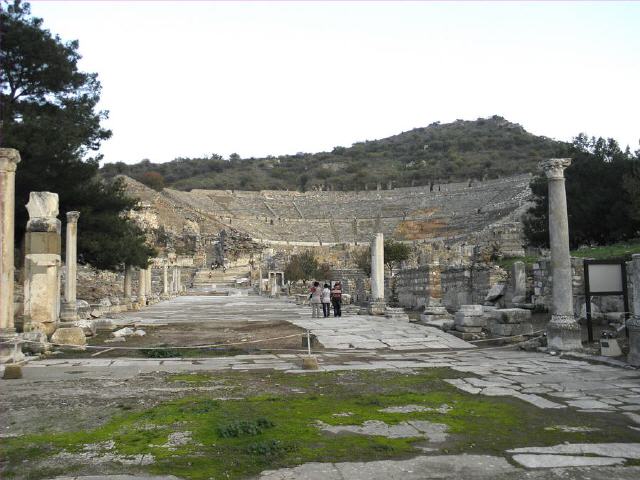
[
  {"x": 621, "y": 450},
  {"x": 512, "y": 315},
  {"x": 69, "y": 336},
  {"x": 12, "y": 371},
  {"x": 555, "y": 461},
  {"x": 35, "y": 342},
  {"x": 495, "y": 292},
  {"x": 510, "y": 329},
  {"x": 471, "y": 310},
  {"x": 462, "y": 319},
  {"x": 435, "y": 432}
]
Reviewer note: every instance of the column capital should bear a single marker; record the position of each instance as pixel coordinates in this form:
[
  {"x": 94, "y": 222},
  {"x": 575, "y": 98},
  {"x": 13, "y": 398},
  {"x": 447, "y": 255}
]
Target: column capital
[
  {"x": 554, "y": 167},
  {"x": 9, "y": 159},
  {"x": 72, "y": 216}
]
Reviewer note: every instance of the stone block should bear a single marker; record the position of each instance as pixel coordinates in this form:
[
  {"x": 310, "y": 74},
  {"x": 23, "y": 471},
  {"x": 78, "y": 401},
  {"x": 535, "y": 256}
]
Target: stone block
[
  {"x": 512, "y": 315},
  {"x": 495, "y": 292},
  {"x": 309, "y": 363},
  {"x": 69, "y": 336},
  {"x": 466, "y": 329},
  {"x": 35, "y": 342},
  {"x": 42, "y": 242},
  {"x": 87, "y": 326},
  {"x": 471, "y": 310},
  {"x": 463, "y": 320},
  {"x": 12, "y": 371},
  {"x": 511, "y": 329}
]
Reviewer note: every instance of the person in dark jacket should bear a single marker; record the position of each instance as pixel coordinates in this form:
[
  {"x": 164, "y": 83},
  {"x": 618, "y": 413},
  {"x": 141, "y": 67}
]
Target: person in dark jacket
[{"x": 336, "y": 299}]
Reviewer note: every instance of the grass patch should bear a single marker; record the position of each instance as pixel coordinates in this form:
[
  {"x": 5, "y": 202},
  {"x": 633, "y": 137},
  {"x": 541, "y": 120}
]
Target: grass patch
[
  {"x": 617, "y": 250},
  {"x": 240, "y": 438}
]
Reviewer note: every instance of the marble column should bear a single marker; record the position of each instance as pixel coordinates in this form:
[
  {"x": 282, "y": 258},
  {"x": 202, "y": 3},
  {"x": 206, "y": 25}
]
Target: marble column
[
  {"x": 165, "y": 281},
  {"x": 149, "y": 286},
  {"x": 128, "y": 278},
  {"x": 174, "y": 280},
  {"x": 633, "y": 324},
  {"x": 42, "y": 264},
  {"x": 9, "y": 159},
  {"x": 142, "y": 287},
  {"x": 69, "y": 310},
  {"x": 563, "y": 331},
  {"x": 179, "y": 280},
  {"x": 377, "y": 304}
]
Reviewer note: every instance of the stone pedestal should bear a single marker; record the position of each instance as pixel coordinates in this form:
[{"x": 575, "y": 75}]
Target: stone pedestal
[
  {"x": 633, "y": 324},
  {"x": 377, "y": 304},
  {"x": 517, "y": 292},
  {"x": 42, "y": 264},
  {"x": 69, "y": 311},
  {"x": 563, "y": 331},
  {"x": 9, "y": 351}
]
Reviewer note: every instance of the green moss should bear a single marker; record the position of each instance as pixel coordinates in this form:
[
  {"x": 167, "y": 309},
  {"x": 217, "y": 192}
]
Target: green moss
[{"x": 240, "y": 438}]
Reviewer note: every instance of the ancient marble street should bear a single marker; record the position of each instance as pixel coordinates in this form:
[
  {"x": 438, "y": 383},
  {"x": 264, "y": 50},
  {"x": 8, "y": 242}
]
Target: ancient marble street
[{"x": 588, "y": 413}]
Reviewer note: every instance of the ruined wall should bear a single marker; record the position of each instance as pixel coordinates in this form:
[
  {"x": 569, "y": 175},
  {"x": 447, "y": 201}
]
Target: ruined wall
[
  {"x": 543, "y": 281},
  {"x": 465, "y": 285}
]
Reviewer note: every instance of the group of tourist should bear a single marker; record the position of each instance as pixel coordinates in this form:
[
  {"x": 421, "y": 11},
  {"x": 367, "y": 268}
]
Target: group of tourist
[{"x": 326, "y": 296}]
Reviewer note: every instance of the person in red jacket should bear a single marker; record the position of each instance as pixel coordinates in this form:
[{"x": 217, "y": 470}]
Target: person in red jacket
[{"x": 336, "y": 299}]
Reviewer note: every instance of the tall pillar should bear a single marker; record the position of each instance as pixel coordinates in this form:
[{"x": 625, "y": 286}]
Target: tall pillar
[
  {"x": 69, "y": 310},
  {"x": 42, "y": 264},
  {"x": 633, "y": 324},
  {"x": 149, "y": 285},
  {"x": 174, "y": 280},
  {"x": 9, "y": 159},
  {"x": 377, "y": 304},
  {"x": 563, "y": 331},
  {"x": 142, "y": 287},
  {"x": 165, "y": 281},
  {"x": 179, "y": 280},
  {"x": 128, "y": 278}
]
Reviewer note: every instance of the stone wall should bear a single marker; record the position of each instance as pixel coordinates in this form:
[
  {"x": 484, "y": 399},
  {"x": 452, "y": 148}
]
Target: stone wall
[
  {"x": 467, "y": 285},
  {"x": 542, "y": 281}
]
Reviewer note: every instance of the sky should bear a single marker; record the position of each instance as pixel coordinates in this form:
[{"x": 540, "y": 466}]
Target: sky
[{"x": 187, "y": 79}]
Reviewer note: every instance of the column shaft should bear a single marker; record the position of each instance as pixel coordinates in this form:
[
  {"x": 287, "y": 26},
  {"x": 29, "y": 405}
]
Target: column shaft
[
  {"x": 142, "y": 287},
  {"x": 563, "y": 331},
  {"x": 128, "y": 277},
  {"x": 633, "y": 324},
  {"x": 9, "y": 159},
  {"x": 70, "y": 310}
]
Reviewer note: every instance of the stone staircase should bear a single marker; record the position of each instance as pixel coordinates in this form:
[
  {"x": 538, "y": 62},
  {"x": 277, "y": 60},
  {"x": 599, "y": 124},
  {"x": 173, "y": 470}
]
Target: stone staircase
[{"x": 205, "y": 277}]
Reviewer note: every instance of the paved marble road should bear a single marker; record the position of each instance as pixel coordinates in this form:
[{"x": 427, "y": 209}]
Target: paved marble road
[{"x": 344, "y": 333}]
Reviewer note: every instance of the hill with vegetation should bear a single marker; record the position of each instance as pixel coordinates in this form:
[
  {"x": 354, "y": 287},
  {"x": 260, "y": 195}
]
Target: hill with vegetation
[{"x": 440, "y": 153}]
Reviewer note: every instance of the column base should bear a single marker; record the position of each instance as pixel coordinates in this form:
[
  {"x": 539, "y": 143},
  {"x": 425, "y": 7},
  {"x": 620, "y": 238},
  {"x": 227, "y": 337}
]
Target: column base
[
  {"x": 69, "y": 312},
  {"x": 634, "y": 341},
  {"x": 564, "y": 333},
  {"x": 10, "y": 347},
  {"x": 377, "y": 307}
]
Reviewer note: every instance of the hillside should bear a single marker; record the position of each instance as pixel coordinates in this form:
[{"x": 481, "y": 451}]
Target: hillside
[{"x": 440, "y": 153}]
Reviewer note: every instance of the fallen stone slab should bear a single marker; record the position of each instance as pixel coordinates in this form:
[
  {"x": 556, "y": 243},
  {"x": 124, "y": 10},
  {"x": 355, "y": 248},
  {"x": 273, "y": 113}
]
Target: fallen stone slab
[
  {"x": 480, "y": 467},
  {"x": 622, "y": 450},
  {"x": 555, "y": 461},
  {"x": 435, "y": 432}
]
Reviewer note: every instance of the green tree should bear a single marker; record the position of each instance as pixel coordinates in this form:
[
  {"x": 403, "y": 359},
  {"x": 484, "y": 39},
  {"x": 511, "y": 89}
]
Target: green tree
[
  {"x": 303, "y": 266},
  {"x": 395, "y": 253},
  {"x": 601, "y": 193},
  {"x": 49, "y": 113}
]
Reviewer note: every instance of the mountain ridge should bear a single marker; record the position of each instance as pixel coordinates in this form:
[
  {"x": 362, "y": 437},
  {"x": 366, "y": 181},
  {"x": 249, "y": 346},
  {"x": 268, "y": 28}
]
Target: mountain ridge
[{"x": 463, "y": 150}]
